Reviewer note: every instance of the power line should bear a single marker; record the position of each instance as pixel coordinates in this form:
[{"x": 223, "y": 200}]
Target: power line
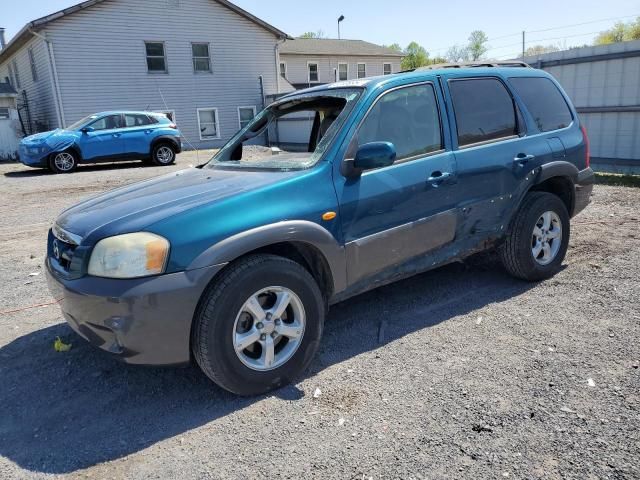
[{"x": 583, "y": 23}]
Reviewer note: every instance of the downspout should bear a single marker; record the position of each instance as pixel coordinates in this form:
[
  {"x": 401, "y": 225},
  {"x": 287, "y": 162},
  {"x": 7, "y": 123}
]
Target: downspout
[
  {"x": 55, "y": 85},
  {"x": 277, "y": 55}
]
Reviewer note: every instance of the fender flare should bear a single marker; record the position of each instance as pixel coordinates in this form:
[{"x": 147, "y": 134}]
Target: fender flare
[
  {"x": 301, "y": 231},
  {"x": 69, "y": 145},
  {"x": 163, "y": 138},
  {"x": 558, "y": 168}
]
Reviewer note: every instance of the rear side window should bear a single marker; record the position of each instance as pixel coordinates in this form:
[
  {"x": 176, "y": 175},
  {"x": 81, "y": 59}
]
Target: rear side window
[
  {"x": 484, "y": 110},
  {"x": 408, "y": 118},
  {"x": 136, "y": 120},
  {"x": 544, "y": 101}
]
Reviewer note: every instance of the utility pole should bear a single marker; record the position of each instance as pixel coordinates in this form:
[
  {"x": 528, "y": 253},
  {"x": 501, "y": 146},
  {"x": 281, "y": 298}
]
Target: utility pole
[
  {"x": 523, "y": 45},
  {"x": 340, "y": 20}
]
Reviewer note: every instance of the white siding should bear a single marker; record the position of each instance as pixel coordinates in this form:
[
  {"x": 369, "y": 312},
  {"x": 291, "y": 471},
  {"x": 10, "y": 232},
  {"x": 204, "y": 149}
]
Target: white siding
[
  {"x": 101, "y": 62},
  {"x": 39, "y": 94},
  {"x": 297, "y": 70}
]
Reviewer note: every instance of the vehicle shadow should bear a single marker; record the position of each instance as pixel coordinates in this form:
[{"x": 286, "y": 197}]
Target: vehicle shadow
[
  {"x": 93, "y": 167},
  {"x": 67, "y": 411}
]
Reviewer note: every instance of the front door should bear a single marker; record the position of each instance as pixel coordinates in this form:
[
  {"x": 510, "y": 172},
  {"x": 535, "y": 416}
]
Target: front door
[
  {"x": 392, "y": 214},
  {"x": 104, "y": 141}
]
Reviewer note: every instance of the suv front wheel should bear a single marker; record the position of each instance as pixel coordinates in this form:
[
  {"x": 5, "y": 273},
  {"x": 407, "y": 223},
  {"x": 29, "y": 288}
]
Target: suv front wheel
[
  {"x": 259, "y": 325},
  {"x": 538, "y": 239}
]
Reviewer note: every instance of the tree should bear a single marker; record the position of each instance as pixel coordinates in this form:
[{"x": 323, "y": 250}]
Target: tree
[
  {"x": 540, "y": 49},
  {"x": 457, "y": 54},
  {"x": 477, "y": 44},
  {"x": 394, "y": 46},
  {"x": 416, "y": 56},
  {"x": 318, "y": 34},
  {"x": 620, "y": 32}
]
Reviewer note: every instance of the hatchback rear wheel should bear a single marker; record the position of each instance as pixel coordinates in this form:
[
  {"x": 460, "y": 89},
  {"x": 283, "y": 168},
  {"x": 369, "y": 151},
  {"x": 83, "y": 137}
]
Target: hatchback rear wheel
[{"x": 163, "y": 154}]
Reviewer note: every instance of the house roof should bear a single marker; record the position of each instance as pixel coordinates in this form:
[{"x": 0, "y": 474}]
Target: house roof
[
  {"x": 330, "y": 46},
  {"x": 24, "y": 35}
]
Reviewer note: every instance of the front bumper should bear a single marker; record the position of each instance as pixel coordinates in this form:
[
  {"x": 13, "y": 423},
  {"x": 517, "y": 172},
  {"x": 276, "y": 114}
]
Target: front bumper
[
  {"x": 142, "y": 321},
  {"x": 29, "y": 157},
  {"x": 584, "y": 187}
]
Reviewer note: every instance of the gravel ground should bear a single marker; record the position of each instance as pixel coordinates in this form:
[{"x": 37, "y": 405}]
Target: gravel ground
[{"x": 461, "y": 372}]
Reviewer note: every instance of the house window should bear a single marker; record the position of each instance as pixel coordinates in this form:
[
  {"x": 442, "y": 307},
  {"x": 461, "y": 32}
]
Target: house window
[
  {"x": 362, "y": 70},
  {"x": 32, "y": 61},
  {"x": 208, "y": 124},
  {"x": 156, "y": 60},
  {"x": 283, "y": 69},
  {"x": 4, "y": 113},
  {"x": 245, "y": 115},
  {"x": 16, "y": 73},
  {"x": 313, "y": 72},
  {"x": 201, "y": 58},
  {"x": 343, "y": 71},
  {"x": 386, "y": 69}
]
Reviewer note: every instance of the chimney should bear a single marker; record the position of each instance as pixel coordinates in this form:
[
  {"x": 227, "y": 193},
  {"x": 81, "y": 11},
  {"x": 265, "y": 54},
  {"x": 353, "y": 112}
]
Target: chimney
[{"x": 3, "y": 43}]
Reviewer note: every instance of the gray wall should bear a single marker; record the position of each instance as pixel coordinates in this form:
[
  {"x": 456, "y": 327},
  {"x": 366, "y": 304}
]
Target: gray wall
[
  {"x": 297, "y": 70},
  {"x": 604, "y": 85},
  {"x": 39, "y": 93}
]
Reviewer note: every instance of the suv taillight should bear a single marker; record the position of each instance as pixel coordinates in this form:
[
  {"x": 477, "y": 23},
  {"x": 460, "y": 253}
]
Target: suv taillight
[
  {"x": 587, "y": 147},
  {"x": 174, "y": 126}
]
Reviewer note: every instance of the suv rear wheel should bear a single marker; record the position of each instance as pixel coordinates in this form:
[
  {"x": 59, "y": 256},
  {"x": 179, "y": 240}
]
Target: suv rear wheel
[
  {"x": 163, "y": 154},
  {"x": 259, "y": 325},
  {"x": 538, "y": 239}
]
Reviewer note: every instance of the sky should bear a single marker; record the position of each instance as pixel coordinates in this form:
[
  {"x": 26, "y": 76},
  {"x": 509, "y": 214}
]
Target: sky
[{"x": 434, "y": 25}]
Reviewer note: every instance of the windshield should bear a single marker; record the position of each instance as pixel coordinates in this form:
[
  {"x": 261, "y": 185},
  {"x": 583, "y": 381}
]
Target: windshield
[
  {"x": 290, "y": 134},
  {"x": 82, "y": 122}
]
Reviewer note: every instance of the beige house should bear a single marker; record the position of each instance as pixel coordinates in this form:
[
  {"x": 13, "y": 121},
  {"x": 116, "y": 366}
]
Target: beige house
[{"x": 305, "y": 62}]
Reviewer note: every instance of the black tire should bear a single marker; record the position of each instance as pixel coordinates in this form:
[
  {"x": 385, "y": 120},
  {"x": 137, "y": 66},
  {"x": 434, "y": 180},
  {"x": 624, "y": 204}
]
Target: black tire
[
  {"x": 58, "y": 159},
  {"x": 213, "y": 329},
  {"x": 163, "y": 154},
  {"x": 516, "y": 252}
]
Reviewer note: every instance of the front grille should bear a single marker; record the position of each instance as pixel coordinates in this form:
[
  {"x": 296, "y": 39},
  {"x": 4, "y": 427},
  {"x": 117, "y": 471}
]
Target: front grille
[{"x": 65, "y": 257}]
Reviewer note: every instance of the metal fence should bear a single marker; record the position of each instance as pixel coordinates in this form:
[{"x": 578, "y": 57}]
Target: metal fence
[{"x": 604, "y": 85}]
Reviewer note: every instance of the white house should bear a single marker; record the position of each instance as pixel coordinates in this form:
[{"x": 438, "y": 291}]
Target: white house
[
  {"x": 207, "y": 63},
  {"x": 307, "y": 62}
]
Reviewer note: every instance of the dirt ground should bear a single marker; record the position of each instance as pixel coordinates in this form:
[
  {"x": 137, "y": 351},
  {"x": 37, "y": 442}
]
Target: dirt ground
[{"x": 461, "y": 372}]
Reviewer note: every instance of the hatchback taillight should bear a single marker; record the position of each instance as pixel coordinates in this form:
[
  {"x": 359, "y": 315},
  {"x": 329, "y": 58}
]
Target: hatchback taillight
[
  {"x": 587, "y": 147},
  {"x": 174, "y": 126}
]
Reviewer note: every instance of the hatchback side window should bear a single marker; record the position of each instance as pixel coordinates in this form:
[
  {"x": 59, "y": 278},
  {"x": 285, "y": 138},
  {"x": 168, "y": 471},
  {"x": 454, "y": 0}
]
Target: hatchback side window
[
  {"x": 107, "y": 123},
  {"x": 544, "y": 101},
  {"x": 484, "y": 110},
  {"x": 136, "y": 120},
  {"x": 407, "y": 117}
]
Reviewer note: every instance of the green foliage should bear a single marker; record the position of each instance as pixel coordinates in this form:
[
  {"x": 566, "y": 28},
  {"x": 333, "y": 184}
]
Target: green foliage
[
  {"x": 318, "y": 34},
  {"x": 394, "y": 46},
  {"x": 620, "y": 32},
  {"x": 416, "y": 56},
  {"x": 477, "y": 45}
]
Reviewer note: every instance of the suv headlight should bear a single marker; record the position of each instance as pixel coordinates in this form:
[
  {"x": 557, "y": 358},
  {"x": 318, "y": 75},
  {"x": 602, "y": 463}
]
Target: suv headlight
[{"x": 130, "y": 255}]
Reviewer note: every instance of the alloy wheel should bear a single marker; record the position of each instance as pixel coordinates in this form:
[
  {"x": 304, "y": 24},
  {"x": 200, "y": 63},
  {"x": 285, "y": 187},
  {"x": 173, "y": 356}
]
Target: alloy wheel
[
  {"x": 64, "y": 161},
  {"x": 269, "y": 328},
  {"x": 546, "y": 238}
]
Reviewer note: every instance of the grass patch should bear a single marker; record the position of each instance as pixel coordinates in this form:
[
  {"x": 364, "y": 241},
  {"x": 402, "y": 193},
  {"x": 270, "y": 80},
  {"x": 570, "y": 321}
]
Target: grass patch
[{"x": 618, "y": 180}]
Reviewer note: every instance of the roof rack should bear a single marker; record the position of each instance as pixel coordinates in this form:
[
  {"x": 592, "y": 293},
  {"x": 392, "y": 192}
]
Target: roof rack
[{"x": 511, "y": 63}]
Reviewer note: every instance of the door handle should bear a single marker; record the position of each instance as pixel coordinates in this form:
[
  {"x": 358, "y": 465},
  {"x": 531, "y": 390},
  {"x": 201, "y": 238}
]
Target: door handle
[
  {"x": 148, "y": 131},
  {"x": 116, "y": 134},
  {"x": 438, "y": 177},
  {"x": 522, "y": 159}
]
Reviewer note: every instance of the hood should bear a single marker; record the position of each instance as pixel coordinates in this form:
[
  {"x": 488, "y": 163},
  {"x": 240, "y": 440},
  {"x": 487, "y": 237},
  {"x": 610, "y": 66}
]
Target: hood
[
  {"x": 134, "y": 207},
  {"x": 51, "y": 138}
]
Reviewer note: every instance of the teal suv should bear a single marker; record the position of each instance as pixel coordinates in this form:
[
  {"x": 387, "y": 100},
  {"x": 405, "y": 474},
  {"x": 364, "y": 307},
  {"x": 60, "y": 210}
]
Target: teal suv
[{"x": 233, "y": 264}]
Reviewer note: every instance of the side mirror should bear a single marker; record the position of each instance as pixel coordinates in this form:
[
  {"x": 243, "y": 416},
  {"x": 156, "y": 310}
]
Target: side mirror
[
  {"x": 86, "y": 129},
  {"x": 375, "y": 155}
]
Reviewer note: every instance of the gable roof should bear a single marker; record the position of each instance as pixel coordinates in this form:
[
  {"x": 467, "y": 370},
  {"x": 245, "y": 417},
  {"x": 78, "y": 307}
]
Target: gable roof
[
  {"x": 24, "y": 35},
  {"x": 331, "y": 46}
]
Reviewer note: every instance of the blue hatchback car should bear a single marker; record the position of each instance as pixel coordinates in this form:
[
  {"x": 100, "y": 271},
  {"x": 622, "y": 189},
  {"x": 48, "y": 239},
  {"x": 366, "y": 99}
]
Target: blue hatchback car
[
  {"x": 234, "y": 263},
  {"x": 104, "y": 137}
]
